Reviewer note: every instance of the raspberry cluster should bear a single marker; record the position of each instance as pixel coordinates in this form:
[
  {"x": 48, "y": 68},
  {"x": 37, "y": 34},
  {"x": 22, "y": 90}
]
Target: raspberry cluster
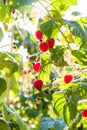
[{"x": 44, "y": 46}]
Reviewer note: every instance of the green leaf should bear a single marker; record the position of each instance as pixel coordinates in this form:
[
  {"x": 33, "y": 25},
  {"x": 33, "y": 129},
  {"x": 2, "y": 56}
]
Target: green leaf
[
  {"x": 44, "y": 74},
  {"x": 59, "y": 102},
  {"x": 14, "y": 125},
  {"x": 12, "y": 114},
  {"x": 7, "y": 63},
  {"x": 1, "y": 34},
  {"x": 69, "y": 112},
  {"x": 77, "y": 119},
  {"x": 20, "y": 121},
  {"x": 3, "y": 96},
  {"x": 46, "y": 123},
  {"x": 49, "y": 28},
  {"x": 20, "y": 4},
  {"x": 4, "y": 125},
  {"x": 31, "y": 113},
  {"x": 77, "y": 30},
  {"x": 62, "y": 5},
  {"x": 80, "y": 56},
  {"x": 57, "y": 56},
  {"x": 30, "y": 44},
  {"x": 3, "y": 85},
  {"x": 8, "y": 113},
  {"x": 81, "y": 91},
  {"x": 15, "y": 77},
  {"x": 59, "y": 124},
  {"x": 2, "y": 10}
]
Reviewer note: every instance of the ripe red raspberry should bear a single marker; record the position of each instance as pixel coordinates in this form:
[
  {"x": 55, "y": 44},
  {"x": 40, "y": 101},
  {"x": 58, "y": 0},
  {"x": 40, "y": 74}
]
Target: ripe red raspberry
[
  {"x": 39, "y": 35},
  {"x": 38, "y": 84},
  {"x": 43, "y": 46},
  {"x": 68, "y": 78},
  {"x": 84, "y": 112},
  {"x": 37, "y": 66},
  {"x": 50, "y": 42}
]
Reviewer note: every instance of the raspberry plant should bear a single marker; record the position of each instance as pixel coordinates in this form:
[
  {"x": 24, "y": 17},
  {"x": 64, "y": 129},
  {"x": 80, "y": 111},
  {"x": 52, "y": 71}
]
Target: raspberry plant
[{"x": 43, "y": 84}]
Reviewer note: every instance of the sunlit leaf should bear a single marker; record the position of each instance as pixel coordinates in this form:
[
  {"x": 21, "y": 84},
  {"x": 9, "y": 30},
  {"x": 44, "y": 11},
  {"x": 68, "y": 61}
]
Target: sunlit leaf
[
  {"x": 1, "y": 34},
  {"x": 69, "y": 112},
  {"x": 59, "y": 102},
  {"x": 49, "y": 28},
  {"x": 77, "y": 30},
  {"x": 14, "y": 125},
  {"x": 3, "y": 85},
  {"x": 8, "y": 113},
  {"x": 62, "y": 5},
  {"x": 2, "y": 10},
  {"x": 44, "y": 75},
  {"x": 80, "y": 56},
  {"x": 8, "y": 63},
  {"x": 4, "y": 125},
  {"x": 57, "y": 56},
  {"x": 14, "y": 115}
]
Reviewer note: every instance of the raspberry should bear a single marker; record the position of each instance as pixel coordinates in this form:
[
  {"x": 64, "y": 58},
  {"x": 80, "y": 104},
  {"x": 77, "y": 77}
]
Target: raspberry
[
  {"x": 43, "y": 46},
  {"x": 68, "y": 78},
  {"x": 50, "y": 42},
  {"x": 37, "y": 66},
  {"x": 39, "y": 35},
  {"x": 38, "y": 84},
  {"x": 84, "y": 113}
]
